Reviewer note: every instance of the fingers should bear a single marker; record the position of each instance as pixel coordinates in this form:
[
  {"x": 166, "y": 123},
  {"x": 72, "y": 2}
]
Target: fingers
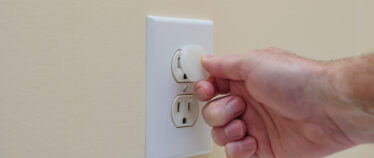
[
  {"x": 228, "y": 67},
  {"x": 241, "y": 149},
  {"x": 222, "y": 85},
  {"x": 222, "y": 110},
  {"x": 219, "y": 114},
  {"x": 235, "y": 130},
  {"x": 206, "y": 90}
]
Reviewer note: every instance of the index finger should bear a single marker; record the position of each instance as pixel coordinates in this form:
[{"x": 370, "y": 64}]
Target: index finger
[{"x": 207, "y": 89}]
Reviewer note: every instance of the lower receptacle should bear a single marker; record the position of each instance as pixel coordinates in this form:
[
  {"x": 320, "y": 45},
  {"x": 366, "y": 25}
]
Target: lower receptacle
[{"x": 185, "y": 110}]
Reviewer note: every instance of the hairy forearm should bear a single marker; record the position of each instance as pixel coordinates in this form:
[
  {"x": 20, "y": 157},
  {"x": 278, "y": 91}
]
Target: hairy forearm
[
  {"x": 357, "y": 78},
  {"x": 353, "y": 82}
]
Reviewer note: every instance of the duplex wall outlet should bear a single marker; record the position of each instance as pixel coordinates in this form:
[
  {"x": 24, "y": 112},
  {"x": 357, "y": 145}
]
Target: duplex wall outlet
[{"x": 168, "y": 134}]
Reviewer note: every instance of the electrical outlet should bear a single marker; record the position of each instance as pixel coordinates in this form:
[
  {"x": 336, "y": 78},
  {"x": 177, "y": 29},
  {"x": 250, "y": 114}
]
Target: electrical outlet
[
  {"x": 176, "y": 68},
  {"x": 167, "y": 135},
  {"x": 185, "y": 110},
  {"x": 186, "y": 64}
]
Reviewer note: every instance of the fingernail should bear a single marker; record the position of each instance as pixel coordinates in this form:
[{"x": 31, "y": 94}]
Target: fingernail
[
  {"x": 201, "y": 93},
  {"x": 230, "y": 148},
  {"x": 247, "y": 144},
  {"x": 234, "y": 130},
  {"x": 234, "y": 106}
]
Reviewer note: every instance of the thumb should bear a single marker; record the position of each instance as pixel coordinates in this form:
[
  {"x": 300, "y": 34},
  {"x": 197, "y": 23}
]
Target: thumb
[{"x": 227, "y": 67}]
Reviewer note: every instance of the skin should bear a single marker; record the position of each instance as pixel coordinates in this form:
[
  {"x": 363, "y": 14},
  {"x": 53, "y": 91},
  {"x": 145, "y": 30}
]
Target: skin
[{"x": 270, "y": 103}]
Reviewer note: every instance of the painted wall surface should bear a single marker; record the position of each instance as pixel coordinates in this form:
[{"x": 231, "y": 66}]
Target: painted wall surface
[{"x": 72, "y": 81}]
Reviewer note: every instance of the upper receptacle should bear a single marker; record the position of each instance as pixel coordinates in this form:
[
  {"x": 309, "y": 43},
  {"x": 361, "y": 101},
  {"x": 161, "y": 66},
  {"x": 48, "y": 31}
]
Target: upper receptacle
[
  {"x": 176, "y": 68},
  {"x": 186, "y": 64}
]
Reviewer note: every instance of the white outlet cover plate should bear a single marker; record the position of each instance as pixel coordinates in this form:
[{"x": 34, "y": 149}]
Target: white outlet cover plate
[{"x": 164, "y": 36}]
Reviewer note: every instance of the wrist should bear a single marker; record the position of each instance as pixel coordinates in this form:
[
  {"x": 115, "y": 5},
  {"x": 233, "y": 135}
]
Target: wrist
[{"x": 349, "y": 101}]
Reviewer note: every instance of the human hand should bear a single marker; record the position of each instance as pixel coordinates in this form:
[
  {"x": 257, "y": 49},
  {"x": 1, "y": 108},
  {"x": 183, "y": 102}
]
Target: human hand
[{"x": 277, "y": 105}]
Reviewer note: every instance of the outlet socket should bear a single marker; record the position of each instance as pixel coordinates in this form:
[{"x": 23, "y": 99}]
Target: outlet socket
[
  {"x": 176, "y": 68},
  {"x": 186, "y": 64},
  {"x": 185, "y": 110}
]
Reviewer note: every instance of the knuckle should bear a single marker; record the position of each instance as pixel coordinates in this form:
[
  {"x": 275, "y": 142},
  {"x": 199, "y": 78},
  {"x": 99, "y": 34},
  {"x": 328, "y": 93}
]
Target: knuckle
[{"x": 274, "y": 50}]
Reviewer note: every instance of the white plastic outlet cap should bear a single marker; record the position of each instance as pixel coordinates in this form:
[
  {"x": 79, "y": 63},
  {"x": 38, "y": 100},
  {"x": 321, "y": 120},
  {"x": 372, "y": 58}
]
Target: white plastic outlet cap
[{"x": 191, "y": 62}]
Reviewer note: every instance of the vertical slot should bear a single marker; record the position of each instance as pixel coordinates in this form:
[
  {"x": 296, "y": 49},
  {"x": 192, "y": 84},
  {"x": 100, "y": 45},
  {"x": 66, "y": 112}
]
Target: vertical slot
[
  {"x": 178, "y": 106},
  {"x": 179, "y": 62}
]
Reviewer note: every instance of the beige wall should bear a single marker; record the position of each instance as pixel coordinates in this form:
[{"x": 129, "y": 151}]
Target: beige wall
[{"x": 72, "y": 72}]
